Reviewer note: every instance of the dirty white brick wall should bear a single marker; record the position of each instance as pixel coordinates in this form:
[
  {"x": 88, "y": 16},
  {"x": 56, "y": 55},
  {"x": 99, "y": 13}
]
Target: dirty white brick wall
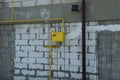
[
  {"x": 23, "y": 3},
  {"x": 32, "y": 59}
]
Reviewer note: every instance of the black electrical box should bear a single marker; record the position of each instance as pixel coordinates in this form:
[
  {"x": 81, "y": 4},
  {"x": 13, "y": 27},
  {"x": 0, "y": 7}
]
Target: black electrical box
[{"x": 75, "y": 7}]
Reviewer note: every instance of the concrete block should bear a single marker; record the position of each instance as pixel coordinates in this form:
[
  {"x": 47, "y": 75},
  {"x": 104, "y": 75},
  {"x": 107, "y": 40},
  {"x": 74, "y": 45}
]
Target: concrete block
[
  {"x": 46, "y": 54},
  {"x": 74, "y": 42},
  {"x": 66, "y": 49},
  {"x": 39, "y": 36},
  {"x": 36, "y": 66},
  {"x": 76, "y": 76},
  {"x": 16, "y": 71},
  {"x": 28, "y": 60},
  {"x": 35, "y": 54},
  {"x": 93, "y": 77},
  {"x": 17, "y": 59},
  {"x": 93, "y": 63},
  {"x": 36, "y": 42},
  {"x": 19, "y": 77},
  {"x": 67, "y": 55},
  {"x": 28, "y": 36},
  {"x": 45, "y": 36},
  {"x": 20, "y": 65},
  {"x": 43, "y": 2},
  {"x": 42, "y": 60},
  {"x": 22, "y": 28},
  {"x": 42, "y": 73},
  {"x": 74, "y": 68},
  {"x": 91, "y": 42},
  {"x": 21, "y": 54},
  {"x": 28, "y": 72},
  {"x": 21, "y": 42},
  {"x": 27, "y": 48}
]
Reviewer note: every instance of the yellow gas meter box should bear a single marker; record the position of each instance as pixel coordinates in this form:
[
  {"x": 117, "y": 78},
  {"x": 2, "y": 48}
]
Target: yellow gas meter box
[{"x": 58, "y": 36}]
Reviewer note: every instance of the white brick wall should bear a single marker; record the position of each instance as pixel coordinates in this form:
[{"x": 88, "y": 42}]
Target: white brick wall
[{"x": 32, "y": 58}]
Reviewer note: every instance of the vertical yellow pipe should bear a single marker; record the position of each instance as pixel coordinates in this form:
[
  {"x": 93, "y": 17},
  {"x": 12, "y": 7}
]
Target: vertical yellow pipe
[
  {"x": 50, "y": 71},
  {"x": 12, "y": 10}
]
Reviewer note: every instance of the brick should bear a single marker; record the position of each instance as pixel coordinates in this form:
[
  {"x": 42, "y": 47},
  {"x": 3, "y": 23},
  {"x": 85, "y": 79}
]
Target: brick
[
  {"x": 27, "y": 48},
  {"x": 42, "y": 60},
  {"x": 93, "y": 63},
  {"x": 45, "y": 36},
  {"x": 42, "y": 73},
  {"x": 36, "y": 42},
  {"x": 19, "y": 77},
  {"x": 74, "y": 55},
  {"x": 16, "y": 71},
  {"x": 73, "y": 42},
  {"x": 36, "y": 66},
  {"x": 67, "y": 55},
  {"x": 28, "y": 60},
  {"x": 22, "y": 28},
  {"x": 17, "y": 59},
  {"x": 92, "y": 36},
  {"x": 91, "y": 49},
  {"x": 20, "y": 65},
  {"x": 21, "y": 54},
  {"x": 76, "y": 76},
  {"x": 35, "y": 54},
  {"x": 93, "y": 77},
  {"x": 21, "y": 42},
  {"x": 28, "y": 72},
  {"x": 91, "y": 42},
  {"x": 90, "y": 56},
  {"x": 37, "y": 78},
  {"x": 91, "y": 69},
  {"x": 74, "y": 68},
  {"x": 74, "y": 49},
  {"x": 41, "y": 48},
  {"x": 17, "y": 36},
  {"x": 17, "y": 48},
  {"x": 75, "y": 62},
  {"x": 28, "y": 36}
]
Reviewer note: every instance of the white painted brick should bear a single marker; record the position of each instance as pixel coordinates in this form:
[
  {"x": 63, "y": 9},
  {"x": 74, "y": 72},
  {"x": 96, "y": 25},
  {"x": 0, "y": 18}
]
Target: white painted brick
[
  {"x": 20, "y": 65},
  {"x": 21, "y": 42},
  {"x": 75, "y": 62},
  {"x": 74, "y": 49},
  {"x": 91, "y": 42},
  {"x": 67, "y": 55},
  {"x": 16, "y": 71},
  {"x": 35, "y": 66},
  {"x": 54, "y": 67},
  {"x": 74, "y": 68},
  {"x": 45, "y": 36},
  {"x": 42, "y": 73},
  {"x": 37, "y": 78},
  {"x": 28, "y": 36},
  {"x": 93, "y": 63},
  {"x": 35, "y": 54},
  {"x": 92, "y": 36},
  {"x": 21, "y": 28},
  {"x": 73, "y": 42},
  {"x": 19, "y": 77},
  {"x": 21, "y": 54},
  {"x": 40, "y": 36},
  {"x": 76, "y": 75},
  {"x": 42, "y": 60},
  {"x": 36, "y": 42},
  {"x": 61, "y": 74},
  {"x": 61, "y": 61},
  {"x": 17, "y": 36},
  {"x": 93, "y": 77},
  {"x": 66, "y": 61},
  {"x": 17, "y": 59},
  {"x": 92, "y": 49},
  {"x": 61, "y": 49},
  {"x": 28, "y": 72},
  {"x": 47, "y": 28},
  {"x": 90, "y": 56},
  {"x": 41, "y": 48},
  {"x": 66, "y": 49},
  {"x": 91, "y": 69},
  {"x": 17, "y": 48},
  {"x": 74, "y": 55},
  {"x": 46, "y": 54},
  {"x": 28, "y": 48},
  {"x": 28, "y": 60}
]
